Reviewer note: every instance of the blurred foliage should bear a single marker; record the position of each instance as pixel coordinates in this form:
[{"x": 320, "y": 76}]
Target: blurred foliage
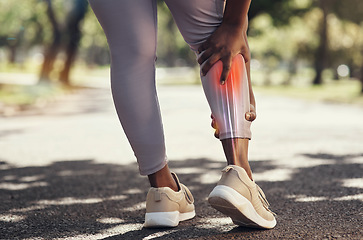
[
  {"x": 93, "y": 45},
  {"x": 284, "y": 35}
]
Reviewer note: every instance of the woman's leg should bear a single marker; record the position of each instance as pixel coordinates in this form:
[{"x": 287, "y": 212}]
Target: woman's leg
[
  {"x": 130, "y": 28},
  {"x": 197, "y": 20},
  {"x": 236, "y": 194}
]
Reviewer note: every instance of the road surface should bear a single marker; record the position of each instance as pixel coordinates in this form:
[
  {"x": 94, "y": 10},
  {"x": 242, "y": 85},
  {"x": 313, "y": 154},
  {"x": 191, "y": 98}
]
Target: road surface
[{"x": 67, "y": 171}]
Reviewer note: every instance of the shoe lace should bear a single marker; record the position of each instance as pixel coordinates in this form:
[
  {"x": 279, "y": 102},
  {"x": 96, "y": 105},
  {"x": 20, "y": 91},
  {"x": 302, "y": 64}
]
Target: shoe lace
[{"x": 262, "y": 197}]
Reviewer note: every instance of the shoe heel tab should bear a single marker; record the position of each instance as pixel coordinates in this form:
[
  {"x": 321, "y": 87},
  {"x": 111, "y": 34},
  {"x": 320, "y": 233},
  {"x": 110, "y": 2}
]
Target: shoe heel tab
[
  {"x": 227, "y": 169},
  {"x": 157, "y": 195},
  {"x": 240, "y": 172}
]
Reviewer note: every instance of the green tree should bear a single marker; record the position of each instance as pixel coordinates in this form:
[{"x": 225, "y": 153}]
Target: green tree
[
  {"x": 22, "y": 26},
  {"x": 351, "y": 11}
]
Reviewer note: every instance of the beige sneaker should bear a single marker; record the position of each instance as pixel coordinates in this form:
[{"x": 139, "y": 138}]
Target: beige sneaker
[
  {"x": 166, "y": 208},
  {"x": 240, "y": 198}
]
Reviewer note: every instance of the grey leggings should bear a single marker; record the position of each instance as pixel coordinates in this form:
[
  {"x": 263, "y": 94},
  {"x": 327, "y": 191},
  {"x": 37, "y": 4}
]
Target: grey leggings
[{"x": 130, "y": 27}]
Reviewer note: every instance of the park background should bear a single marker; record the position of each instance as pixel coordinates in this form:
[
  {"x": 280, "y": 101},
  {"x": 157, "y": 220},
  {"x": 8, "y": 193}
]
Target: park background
[
  {"x": 68, "y": 172},
  {"x": 308, "y": 48}
]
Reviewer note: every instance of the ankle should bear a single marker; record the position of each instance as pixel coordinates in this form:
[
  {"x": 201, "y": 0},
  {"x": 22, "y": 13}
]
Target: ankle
[
  {"x": 247, "y": 168},
  {"x": 236, "y": 151},
  {"x": 163, "y": 178}
]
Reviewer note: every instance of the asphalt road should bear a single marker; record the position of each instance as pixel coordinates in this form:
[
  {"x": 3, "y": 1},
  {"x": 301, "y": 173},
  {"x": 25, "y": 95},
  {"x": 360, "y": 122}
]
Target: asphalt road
[{"x": 67, "y": 172}]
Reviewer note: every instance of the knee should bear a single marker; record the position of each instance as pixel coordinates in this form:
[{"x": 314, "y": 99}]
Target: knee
[{"x": 137, "y": 51}]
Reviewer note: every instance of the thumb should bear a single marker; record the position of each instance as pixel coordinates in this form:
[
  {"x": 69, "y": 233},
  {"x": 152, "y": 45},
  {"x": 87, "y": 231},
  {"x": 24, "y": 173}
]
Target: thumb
[{"x": 250, "y": 116}]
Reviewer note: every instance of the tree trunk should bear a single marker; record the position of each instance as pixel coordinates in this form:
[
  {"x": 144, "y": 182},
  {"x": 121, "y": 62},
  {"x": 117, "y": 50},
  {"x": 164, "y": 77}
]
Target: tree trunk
[
  {"x": 292, "y": 70},
  {"x": 321, "y": 51},
  {"x": 12, "y": 54},
  {"x": 74, "y": 35},
  {"x": 52, "y": 51},
  {"x": 14, "y": 44}
]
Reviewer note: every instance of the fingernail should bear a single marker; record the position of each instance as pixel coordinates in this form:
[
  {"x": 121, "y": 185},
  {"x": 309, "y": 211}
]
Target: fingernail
[{"x": 222, "y": 82}]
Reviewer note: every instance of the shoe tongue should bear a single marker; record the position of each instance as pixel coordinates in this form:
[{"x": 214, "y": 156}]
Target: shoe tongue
[{"x": 176, "y": 180}]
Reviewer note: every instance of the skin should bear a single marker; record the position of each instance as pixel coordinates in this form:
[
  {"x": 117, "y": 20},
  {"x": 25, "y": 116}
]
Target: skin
[{"x": 229, "y": 39}]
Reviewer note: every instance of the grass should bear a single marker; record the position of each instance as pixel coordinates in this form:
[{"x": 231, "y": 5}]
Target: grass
[
  {"x": 26, "y": 96},
  {"x": 342, "y": 91}
]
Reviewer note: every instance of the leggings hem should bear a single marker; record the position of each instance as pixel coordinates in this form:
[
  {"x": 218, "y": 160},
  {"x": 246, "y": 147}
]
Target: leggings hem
[{"x": 154, "y": 169}]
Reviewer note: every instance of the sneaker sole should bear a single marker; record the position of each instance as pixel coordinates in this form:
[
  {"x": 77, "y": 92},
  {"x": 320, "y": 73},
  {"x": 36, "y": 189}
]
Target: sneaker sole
[
  {"x": 229, "y": 202},
  {"x": 166, "y": 219}
]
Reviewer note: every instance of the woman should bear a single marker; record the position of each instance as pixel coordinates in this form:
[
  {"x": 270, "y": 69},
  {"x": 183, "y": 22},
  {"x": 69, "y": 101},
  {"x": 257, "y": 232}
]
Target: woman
[{"x": 216, "y": 31}]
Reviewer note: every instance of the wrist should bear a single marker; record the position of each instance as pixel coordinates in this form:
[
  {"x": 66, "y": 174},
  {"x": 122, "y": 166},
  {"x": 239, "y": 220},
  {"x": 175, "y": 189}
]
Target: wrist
[
  {"x": 233, "y": 26},
  {"x": 235, "y": 13},
  {"x": 233, "y": 21}
]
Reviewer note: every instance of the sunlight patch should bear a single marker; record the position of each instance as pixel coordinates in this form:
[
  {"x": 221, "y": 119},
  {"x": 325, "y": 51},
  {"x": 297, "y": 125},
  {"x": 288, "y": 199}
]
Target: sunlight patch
[
  {"x": 217, "y": 165},
  {"x": 9, "y": 177},
  {"x": 110, "y": 220},
  {"x": 137, "y": 206},
  {"x": 113, "y": 231},
  {"x": 66, "y": 201},
  {"x": 353, "y": 183},
  {"x": 355, "y": 160},
  {"x": 274, "y": 175},
  {"x": 215, "y": 221},
  {"x": 300, "y": 161},
  {"x": 223, "y": 224},
  {"x": 4, "y": 167},
  {"x": 304, "y": 198},
  {"x": 11, "y": 218},
  {"x": 158, "y": 234},
  {"x": 122, "y": 229},
  {"x": 69, "y": 201},
  {"x": 210, "y": 177},
  {"x": 31, "y": 178},
  {"x": 21, "y": 186},
  {"x": 189, "y": 170},
  {"x": 350, "y": 198},
  {"x": 117, "y": 197},
  {"x": 66, "y": 173},
  {"x": 27, "y": 209},
  {"x": 133, "y": 191}
]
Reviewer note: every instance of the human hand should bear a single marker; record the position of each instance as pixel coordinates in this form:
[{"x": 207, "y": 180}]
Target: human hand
[{"x": 225, "y": 43}]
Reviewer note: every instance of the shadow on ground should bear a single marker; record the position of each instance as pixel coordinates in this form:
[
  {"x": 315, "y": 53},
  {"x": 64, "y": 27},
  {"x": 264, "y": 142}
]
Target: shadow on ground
[{"x": 85, "y": 199}]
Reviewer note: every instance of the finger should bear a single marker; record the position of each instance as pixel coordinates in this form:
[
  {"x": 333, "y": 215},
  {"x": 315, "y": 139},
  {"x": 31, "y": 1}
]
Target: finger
[
  {"x": 213, "y": 124},
  {"x": 207, "y": 65},
  {"x": 203, "y": 47},
  {"x": 226, "y": 69},
  {"x": 216, "y": 133},
  {"x": 250, "y": 116},
  {"x": 204, "y": 56}
]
